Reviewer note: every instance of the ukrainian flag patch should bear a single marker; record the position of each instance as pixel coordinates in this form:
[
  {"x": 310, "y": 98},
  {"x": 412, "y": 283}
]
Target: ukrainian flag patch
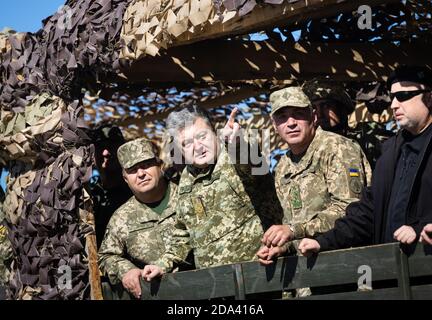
[{"x": 354, "y": 172}]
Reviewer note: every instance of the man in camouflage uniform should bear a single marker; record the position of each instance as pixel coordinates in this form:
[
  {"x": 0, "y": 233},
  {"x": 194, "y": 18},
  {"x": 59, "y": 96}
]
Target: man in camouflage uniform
[
  {"x": 108, "y": 190},
  {"x": 137, "y": 231},
  {"x": 223, "y": 210},
  {"x": 319, "y": 176},
  {"x": 333, "y": 105}
]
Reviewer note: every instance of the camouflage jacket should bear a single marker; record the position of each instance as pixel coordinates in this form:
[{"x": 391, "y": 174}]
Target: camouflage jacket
[
  {"x": 315, "y": 191},
  {"x": 135, "y": 237},
  {"x": 221, "y": 214}
]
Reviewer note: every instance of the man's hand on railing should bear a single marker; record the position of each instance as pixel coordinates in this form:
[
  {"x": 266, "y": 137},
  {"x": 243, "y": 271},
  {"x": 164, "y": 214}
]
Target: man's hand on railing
[
  {"x": 277, "y": 235},
  {"x": 426, "y": 234},
  {"x": 267, "y": 254},
  {"x": 405, "y": 234},
  {"x": 151, "y": 271},
  {"x": 131, "y": 282},
  {"x": 309, "y": 246}
]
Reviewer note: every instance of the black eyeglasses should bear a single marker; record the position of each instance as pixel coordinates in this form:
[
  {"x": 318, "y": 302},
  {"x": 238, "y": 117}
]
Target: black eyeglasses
[{"x": 402, "y": 96}]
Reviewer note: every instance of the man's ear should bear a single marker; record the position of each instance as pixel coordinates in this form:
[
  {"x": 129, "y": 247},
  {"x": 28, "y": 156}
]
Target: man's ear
[
  {"x": 314, "y": 117},
  {"x": 273, "y": 123},
  {"x": 124, "y": 175}
]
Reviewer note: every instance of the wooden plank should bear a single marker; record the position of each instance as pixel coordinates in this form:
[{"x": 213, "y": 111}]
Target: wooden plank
[
  {"x": 194, "y": 285},
  {"x": 239, "y": 61},
  {"x": 378, "y": 294},
  {"x": 328, "y": 268},
  {"x": 271, "y": 16},
  {"x": 420, "y": 263},
  {"x": 423, "y": 292}
]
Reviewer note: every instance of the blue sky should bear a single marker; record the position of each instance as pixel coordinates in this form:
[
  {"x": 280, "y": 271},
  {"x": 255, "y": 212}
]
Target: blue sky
[{"x": 26, "y": 15}]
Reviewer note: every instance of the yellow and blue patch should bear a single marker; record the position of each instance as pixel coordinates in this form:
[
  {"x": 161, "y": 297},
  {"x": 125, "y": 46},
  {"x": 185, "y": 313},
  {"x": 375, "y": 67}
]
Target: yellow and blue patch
[{"x": 354, "y": 172}]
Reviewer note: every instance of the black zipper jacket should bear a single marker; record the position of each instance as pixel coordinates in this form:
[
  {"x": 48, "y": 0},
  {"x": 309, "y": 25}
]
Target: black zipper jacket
[{"x": 365, "y": 220}]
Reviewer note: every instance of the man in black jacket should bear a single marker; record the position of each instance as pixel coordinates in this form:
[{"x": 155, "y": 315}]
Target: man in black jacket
[{"x": 398, "y": 204}]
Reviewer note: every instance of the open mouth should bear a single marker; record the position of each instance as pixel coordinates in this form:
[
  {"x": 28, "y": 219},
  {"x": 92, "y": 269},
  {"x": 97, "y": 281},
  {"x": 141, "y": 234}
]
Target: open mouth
[{"x": 202, "y": 155}]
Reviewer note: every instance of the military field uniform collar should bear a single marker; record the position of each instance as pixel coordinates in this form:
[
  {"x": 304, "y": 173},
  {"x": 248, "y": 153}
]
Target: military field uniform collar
[
  {"x": 307, "y": 157},
  {"x": 147, "y": 212},
  {"x": 208, "y": 175}
]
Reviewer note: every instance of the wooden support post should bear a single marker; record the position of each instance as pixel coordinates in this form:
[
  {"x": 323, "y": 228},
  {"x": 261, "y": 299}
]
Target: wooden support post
[
  {"x": 94, "y": 275},
  {"x": 87, "y": 217}
]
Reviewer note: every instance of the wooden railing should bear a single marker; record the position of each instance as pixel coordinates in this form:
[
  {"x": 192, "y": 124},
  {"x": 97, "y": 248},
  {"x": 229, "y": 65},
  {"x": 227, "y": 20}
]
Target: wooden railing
[{"x": 250, "y": 280}]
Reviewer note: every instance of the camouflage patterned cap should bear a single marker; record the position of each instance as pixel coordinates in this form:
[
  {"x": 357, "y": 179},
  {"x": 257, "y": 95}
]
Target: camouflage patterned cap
[
  {"x": 288, "y": 97},
  {"x": 135, "y": 151},
  {"x": 321, "y": 90}
]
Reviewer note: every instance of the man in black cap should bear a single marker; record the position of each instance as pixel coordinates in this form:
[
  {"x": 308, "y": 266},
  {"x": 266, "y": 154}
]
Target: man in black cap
[
  {"x": 397, "y": 206},
  {"x": 108, "y": 190}
]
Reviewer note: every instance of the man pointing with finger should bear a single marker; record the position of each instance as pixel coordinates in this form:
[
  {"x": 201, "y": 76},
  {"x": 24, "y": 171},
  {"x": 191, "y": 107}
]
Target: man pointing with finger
[{"x": 222, "y": 210}]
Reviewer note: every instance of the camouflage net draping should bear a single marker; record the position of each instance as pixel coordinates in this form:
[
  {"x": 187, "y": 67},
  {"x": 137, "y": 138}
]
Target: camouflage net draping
[
  {"x": 151, "y": 25},
  {"x": 43, "y": 140}
]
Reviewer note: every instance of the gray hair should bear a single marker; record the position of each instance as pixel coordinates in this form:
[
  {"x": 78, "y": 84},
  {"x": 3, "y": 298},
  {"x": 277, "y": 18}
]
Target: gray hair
[{"x": 179, "y": 120}]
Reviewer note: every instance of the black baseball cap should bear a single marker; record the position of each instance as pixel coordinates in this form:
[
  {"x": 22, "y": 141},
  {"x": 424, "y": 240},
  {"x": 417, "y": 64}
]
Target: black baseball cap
[{"x": 417, "y": 74}]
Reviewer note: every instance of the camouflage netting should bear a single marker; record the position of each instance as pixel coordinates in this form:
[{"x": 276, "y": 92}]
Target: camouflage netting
[
  {"x": 151, "y": 25},
  {"x": 43, "y": 136},
  {"x": 43, "y": 139}
]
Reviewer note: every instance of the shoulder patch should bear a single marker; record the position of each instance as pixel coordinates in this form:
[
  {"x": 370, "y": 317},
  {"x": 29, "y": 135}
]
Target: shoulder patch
[
  {"x": 355, "y": 184},
  {"x": 353, "y": 172}
]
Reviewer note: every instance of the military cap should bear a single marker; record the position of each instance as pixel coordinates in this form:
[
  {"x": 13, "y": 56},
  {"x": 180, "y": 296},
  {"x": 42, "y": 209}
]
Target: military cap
[
  {"x": 320, "y": 90},
  {"x": 135, "y": 151},
  {"x": 417, "y": 74},
  {"x": 288, "y": 97}
]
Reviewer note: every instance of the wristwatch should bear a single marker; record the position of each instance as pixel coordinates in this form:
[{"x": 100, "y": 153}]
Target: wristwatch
[{"x": 292, "y": 229}]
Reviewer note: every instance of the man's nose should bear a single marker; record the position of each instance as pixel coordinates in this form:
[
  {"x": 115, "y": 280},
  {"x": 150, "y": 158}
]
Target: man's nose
[
  {"x": 197, "y": 145},
  {"x": 291, "y": 122},
  {"x": 141, "y": 172},
  {"x": 394, "y": 103}
]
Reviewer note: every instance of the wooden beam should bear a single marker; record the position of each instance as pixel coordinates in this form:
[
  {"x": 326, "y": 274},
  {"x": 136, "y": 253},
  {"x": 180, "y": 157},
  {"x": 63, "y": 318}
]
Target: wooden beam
[
  {"x": 236, "y": 61},
  {"x": 265, "y": 16}
]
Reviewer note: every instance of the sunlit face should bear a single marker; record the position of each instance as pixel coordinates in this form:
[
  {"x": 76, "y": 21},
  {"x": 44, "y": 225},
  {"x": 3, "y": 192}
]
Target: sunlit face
[
  {"x": 143, "y": 177},
  {"x": 198, "y": 143},
  {"x": 326, "y": 114},
  {"x": 296, "y": 126},
  {"x": 413, "y": 114}
]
